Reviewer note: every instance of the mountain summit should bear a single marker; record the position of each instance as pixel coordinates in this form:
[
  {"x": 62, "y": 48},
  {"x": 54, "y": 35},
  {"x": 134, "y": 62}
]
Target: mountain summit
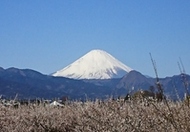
[{"x": 96, "y": 64}]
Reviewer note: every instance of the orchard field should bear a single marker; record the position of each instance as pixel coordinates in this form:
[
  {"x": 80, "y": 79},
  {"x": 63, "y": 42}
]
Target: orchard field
[{"x": 97, "y": 116}]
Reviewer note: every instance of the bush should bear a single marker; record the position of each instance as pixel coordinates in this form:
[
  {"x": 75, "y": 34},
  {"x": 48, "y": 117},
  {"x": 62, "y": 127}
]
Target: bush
[{"x": 97, "y": 116}]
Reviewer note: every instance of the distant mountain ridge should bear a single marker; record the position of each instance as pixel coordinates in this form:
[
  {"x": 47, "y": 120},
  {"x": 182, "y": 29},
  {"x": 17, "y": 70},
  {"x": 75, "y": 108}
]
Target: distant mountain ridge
[
  {"x": 32, "y": 84},
  {"x": 96, "y": 64}
]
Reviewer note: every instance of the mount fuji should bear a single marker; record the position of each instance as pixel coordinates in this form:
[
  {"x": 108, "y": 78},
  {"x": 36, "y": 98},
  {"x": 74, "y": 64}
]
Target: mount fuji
[{"x": 96, "y": 64}]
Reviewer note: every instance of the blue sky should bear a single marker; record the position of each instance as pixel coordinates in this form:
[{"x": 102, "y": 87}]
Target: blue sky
[{"x": 47, "y": 35}]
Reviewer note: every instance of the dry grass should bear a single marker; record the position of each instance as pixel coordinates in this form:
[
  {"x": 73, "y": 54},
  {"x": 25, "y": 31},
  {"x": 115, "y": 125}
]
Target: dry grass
[{"x": 97, "y": 116}]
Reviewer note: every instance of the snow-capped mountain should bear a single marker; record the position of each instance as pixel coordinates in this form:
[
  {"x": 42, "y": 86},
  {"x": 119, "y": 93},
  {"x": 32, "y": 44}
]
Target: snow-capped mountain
[{"x": 96, "y": 64}]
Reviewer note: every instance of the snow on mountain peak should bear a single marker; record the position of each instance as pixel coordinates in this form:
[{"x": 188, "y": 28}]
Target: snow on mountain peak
[{"x": 96, "y": 64}]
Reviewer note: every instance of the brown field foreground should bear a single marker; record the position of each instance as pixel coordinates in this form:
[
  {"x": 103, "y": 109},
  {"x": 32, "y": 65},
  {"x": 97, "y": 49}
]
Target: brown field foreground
[{"x": 112, "y": 116}]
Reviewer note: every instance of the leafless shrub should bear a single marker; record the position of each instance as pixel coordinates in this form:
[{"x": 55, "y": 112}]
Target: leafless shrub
[{"x": 97, "y": 116}]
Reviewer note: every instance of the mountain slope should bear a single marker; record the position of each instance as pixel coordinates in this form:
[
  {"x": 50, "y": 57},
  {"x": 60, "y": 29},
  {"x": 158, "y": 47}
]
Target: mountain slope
[
  {"x": 32, "y": 84},
  {"x": 96, "y": 64},
  {"x": 135, "y": 80}
]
